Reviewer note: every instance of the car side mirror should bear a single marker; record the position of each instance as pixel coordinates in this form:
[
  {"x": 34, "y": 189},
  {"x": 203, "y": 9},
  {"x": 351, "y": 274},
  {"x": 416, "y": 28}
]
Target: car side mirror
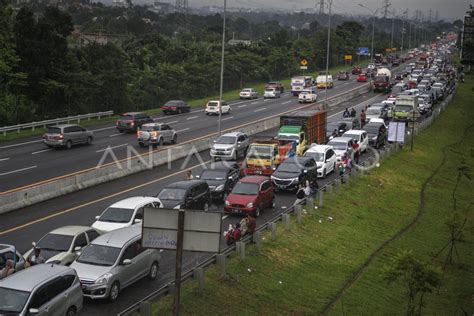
[
  {"x": 137, "y": 220},
  {"x": 34, "y": 244},
  {"x": 198, "y": 176},
  {"x": 305, "y": 171},
  {"x": 33, "y": 311},
  {"x": 238, "y": 143},
  {"x": 214, "y": 141},
  {"x": 77, "y": 249},
  {"x": 126, "y": 262},
  {"x": 341, "y": 131},
  {"x": 97, "y": 217},
  {"x": 230, "y": 177}
]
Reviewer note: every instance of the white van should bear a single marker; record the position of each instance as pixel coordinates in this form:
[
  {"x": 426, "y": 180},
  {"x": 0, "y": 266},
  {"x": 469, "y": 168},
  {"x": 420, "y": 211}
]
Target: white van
[{"x": 212, "y": 107}]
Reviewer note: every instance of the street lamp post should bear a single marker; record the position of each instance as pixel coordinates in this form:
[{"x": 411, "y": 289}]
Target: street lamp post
[
  {"x": 222, "y": 72},
  {"x": 327, "y": 54},
  {"x": 374, "y": 13},
  {"x": 393, "y": 25},
  {"x": 403, "y": 29}
]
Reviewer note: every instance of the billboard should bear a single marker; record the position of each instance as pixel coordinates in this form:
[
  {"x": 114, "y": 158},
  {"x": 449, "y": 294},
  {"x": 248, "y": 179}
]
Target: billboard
[{"x": 362, "y": 51}]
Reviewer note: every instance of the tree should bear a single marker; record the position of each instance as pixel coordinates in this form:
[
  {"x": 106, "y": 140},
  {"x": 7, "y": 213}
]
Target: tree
[{"x": 418, "y": 277}]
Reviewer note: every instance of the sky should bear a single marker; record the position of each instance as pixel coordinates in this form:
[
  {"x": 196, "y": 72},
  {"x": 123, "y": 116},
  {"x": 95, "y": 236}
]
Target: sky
[{"x": 447, "y": 9}]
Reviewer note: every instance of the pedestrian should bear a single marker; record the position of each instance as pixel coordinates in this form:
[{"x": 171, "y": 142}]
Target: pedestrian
[
  {"x": 314, "y": 186},
  {"x": 189, "y": 175},
  {"x": 353, "y": 112},
  {"x": 251, "y": 224},
  {"x": 37, "y": 258},
  {"x": 340, "y": 168},
  {"x": 355, "y": 151},
  {"x": 362, "y": 119},
  {"x": 300, "y": 195},
  {"x": 346, "y": 113}
]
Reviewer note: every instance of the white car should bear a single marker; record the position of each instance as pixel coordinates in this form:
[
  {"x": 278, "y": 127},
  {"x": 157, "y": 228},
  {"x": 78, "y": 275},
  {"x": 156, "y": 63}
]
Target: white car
[
  {"x": 271, "y": 93},
  {"x": 248, "y": 93},
  {"x": 341, "y": 146},
  {"x": 307, "y": 95},
  {"x": 360, "y": 136},
  {"x": 213, "y": 107},
  {"x": 377, "y": 120},
  {"x": 125, "y": 213},
  {"x": 325, "y": 158},
  {"x": 60, "y": 246}
]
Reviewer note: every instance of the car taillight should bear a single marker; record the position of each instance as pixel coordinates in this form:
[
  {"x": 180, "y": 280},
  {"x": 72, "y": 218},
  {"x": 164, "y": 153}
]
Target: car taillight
[{"x": 172, "y": 107}]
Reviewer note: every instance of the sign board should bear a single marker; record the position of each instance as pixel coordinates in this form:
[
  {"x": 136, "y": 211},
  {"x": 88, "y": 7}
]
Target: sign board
[
  {"x": 304, "y": 62},
  {"x": 396, "y": 132},
  {"x": 304, "y": 67},
  {"x": 362, "y": 51},
  {"x": 347, "y": 57},
  {"x": 394, "y": 49},
  {"x": 202, "y": 230},
  {"x": 388, "y": 50}
]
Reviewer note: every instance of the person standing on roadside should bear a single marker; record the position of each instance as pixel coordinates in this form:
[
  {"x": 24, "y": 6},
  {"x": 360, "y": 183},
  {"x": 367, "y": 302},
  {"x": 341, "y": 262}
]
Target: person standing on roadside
[
  {"x": 362, "y": 118},
  {"x": 346, "y": 113},
  {"x": 353, "y": 112},
  {"x": 355, "y": 150},
  {"x": 300, "y": 195}
]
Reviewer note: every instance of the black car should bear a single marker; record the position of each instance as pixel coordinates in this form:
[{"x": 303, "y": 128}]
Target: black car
[
  {"x": 132, "y": 121},
  {"x": 190, "y": 194},
  {"x": 293, "y": 171},
  {"x": 175, "y": 106},
  {"x": 221, "y": 177},
  {"x": 377, "y": 134},
  {"x": 335, "y": 129}
]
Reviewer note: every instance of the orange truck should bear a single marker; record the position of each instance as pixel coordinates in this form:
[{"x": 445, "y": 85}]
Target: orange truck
[{"x": 264, "y": 156}]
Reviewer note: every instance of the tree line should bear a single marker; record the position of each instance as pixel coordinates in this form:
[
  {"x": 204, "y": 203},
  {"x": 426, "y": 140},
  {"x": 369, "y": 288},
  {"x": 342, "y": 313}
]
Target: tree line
[{"x": 46, "y": 73}]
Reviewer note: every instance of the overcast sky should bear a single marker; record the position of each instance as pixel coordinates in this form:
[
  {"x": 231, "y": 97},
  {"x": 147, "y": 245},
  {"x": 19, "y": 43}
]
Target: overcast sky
[{"x": 447, "y": 9}]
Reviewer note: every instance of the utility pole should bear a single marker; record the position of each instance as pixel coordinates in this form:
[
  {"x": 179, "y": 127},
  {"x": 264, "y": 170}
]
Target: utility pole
[
  {"x": 403, "y": 28},
  {"x": 321, "y": 7},
  {"x": 393, "y": 24},
  {"x": 430, "y": 13},
  {"x": 327, "y": 53},
  {"x": 409, "y": 37},
  {"x": 222, "y": 72}
]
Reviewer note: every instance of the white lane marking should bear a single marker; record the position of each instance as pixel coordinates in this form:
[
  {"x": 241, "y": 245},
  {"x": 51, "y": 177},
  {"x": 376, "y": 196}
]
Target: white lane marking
[
  {"x": 261, "y": 109},
  {"x": 286, "y": 102},
  {"x": 227, "y": 118},
  {"x": 101, "y": 150},
  {"x": 182, "y": 130},
  {"x": 243, "y": 105},
  {"x": 254, "y": 102},
  {"x": 20, "y": 144},
  {"x": 3, "y": 159},
  {"x": 192, "y": 117},
  {"x": 113, "y": 135},
  {"x": 18, "y": 170},
  {"x": 172, "y": 122},
  {"x": 41, "y": 151}
]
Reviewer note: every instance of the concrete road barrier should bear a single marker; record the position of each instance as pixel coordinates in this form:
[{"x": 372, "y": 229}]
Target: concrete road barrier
[{"x": 42, "y": 191}]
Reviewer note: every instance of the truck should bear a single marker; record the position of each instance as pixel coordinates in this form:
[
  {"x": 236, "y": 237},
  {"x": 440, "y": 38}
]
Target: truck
[
  {"x": 378, "y": 58},
  {"x": 322, "y": 83},
  {"x": 406, "y": 108},
  {"x": 382, "y": 80},
  {"x": 275, "y": 84},
  {"x": 301, "y": 83},
  {"x": 264, "y": 156},
  {"x": 303, "y": 128}
]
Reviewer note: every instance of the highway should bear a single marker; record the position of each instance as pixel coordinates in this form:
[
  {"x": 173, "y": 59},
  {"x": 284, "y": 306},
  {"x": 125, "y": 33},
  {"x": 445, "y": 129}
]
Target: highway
[
  {"x": 27, "y": 161},
  {"x": 23, "y": 226}
]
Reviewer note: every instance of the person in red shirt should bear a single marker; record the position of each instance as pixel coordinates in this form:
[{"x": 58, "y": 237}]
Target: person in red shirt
[{"x": 355, "y": 150}]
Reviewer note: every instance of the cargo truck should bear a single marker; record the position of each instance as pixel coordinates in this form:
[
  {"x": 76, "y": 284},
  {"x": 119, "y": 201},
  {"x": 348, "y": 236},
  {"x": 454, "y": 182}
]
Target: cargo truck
[
  {"x": 382, "y": 81},
  {"x": 406, "y": 108},
  {"x": 304, "y": 128},
  {"x": 264, "y": 156}
]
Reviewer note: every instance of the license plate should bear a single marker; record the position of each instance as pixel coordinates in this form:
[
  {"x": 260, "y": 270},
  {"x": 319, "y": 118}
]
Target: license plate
[
  {"x": 235, "y": 210},
  {"x": 281, "y": 186}
]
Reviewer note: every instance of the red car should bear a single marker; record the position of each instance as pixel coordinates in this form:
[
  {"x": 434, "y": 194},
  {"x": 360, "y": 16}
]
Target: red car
[
  {"x": 250, "y": 195},
  {"x": 361, "y": 78}
]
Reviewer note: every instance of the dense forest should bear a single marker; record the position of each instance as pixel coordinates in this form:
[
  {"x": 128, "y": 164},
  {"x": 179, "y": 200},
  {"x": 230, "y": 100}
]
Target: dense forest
[{"x": 46, "y": 72}]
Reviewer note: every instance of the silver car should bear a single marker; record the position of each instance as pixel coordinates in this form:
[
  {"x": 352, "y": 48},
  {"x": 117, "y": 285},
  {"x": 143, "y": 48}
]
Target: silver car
[
  {"x": 114, "y": 261},
  {"x": 230, "y": 146},
  {"x": 156, "y": 134},
  {"x": 67, "y": 135},
  {"x": 44, "y": 289}
]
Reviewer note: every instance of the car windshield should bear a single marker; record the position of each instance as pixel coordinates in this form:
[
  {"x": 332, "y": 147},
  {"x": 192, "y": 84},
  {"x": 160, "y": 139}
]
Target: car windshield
[
  {"x": 99, "y": 255},
  {"x": 316, "y": 156},
  {"x": 126, "y": 117},
  {"x": 269, "y": 90},
  {"x": 260, "y": 152},
  {"x": 55, "y": 242},
  {"x": 226, "y": 140},
  {"x": 53, "y": 130},
  {"x": 246, "y": 90},
  {"x": 213, "y": 104},
  {"x": 210, "y": 174},
  {"x": 149, "y": 128},
  {"x": 245, "y": 188},
  {"x": 117, "y": 215},
  {"x": 172, "y": 194},
  {"x": 403, "y": 108},
  {"x": 338, "y": 145},
  {"x": 380, "y": 79},
  {"x": 172, "y": 103},
  {"x": 304, "y": 92},
  {"x": 288, "y": 166},
  {"x": 353, "y": 136},
  {"x": 12, "y": 301},
  {"x": 289, "y": 137},
  {"x": 371, "y": 129}
]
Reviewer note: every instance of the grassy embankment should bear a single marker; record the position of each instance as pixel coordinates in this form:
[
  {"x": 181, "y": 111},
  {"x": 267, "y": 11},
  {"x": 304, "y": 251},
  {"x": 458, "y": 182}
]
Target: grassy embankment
[
  {"x": 227, "y": 95},
  {"x": 303, "y": 272}
]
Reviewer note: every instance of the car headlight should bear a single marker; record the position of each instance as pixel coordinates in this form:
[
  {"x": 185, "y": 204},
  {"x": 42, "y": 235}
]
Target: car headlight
[
  {"x": 227, "y": 203},
  {"x": 220, "y": 188},
  {"x": 103, "y": 279},
  {"x": 250, "y": 205}
]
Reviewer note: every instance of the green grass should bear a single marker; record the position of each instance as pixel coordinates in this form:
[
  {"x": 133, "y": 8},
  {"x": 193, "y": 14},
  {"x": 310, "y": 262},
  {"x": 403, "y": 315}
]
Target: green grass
[
  {"x": 302, "y": 272},
  {"x": 227, "y": 95}
]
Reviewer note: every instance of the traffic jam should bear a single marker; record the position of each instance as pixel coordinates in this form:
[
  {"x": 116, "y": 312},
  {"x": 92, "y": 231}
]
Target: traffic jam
[{"x": 246, "y": 175}]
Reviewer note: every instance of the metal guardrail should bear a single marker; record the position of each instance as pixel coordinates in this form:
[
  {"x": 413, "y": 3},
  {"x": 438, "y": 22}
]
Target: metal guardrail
[
  {"x": 327, "y": 188},
  {"x": 45, "y": 123}
]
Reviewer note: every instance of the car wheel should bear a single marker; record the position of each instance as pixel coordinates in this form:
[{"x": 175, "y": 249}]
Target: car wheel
[
  {"x": 68, "y": 144},
  {"x": 175, "y": 139},
  {"x": 334, "y": 167},
  {"x": 324, "y": 173},
  {"x": 257, "y": 212},
  {"x": 114, "y": 292},
  {"x": 49, "y": 146},
  {"x": 160, "y": 142},
  {"x": 153, "y": 273},
  {"x": 71, "y": 311},
  {"x": 89, "y": 140},
  {"x": 179, "y": 111},
  {"x": 206, "y": 207}
]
